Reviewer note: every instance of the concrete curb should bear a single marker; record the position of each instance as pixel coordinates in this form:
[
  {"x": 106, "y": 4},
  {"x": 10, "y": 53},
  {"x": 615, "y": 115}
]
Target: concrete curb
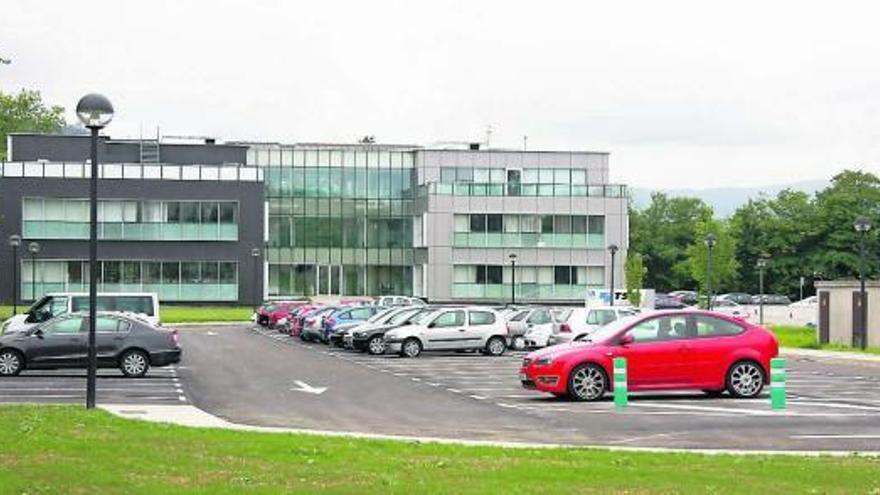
[
  {"x": 193, "y": 417},
  {"x": 818, "y": 353}
]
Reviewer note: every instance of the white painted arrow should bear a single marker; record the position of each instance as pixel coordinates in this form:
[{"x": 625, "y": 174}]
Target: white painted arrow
[{"x": 305, "y": 387}]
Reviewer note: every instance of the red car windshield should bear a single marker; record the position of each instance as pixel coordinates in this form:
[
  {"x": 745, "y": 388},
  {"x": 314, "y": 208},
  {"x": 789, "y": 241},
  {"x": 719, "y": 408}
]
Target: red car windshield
[{"x": 608, "y": 331}]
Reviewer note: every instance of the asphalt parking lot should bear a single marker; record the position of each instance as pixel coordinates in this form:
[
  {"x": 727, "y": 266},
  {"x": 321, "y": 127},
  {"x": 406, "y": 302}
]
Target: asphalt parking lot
[
  {"x": 262, "y": 377},
  {"x": 160, "y": 386}
]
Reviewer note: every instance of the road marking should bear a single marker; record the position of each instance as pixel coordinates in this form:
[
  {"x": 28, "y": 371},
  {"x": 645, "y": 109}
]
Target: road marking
[
  {"x": 820, "y": 436},
  {"x": 478, "y": 397},
  {"x": 305, "y": 387}
]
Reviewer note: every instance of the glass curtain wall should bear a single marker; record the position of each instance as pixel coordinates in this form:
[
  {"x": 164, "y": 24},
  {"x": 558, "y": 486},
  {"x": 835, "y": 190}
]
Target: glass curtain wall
[
  {"x": 171, "y": 280},
  {"x": 340, "y": 221}
]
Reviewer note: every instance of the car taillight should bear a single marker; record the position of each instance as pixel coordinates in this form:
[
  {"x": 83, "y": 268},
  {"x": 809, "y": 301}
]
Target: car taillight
[
  {"x": 175, "y": 338},
  {"x": 564, "y": 328}
]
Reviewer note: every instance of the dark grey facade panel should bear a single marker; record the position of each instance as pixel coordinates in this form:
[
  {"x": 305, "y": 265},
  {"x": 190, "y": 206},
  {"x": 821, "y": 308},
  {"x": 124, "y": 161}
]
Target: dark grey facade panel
[
  {"x": 61, "y": 148},
  {"x": 249, "y": 195}
]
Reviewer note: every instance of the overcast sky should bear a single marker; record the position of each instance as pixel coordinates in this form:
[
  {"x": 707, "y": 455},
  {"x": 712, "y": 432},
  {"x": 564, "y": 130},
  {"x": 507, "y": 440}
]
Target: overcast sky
[{"x": 683, "y": 94}]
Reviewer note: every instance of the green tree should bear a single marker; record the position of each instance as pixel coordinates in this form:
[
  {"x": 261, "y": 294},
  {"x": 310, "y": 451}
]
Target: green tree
[
  {"x": 852, "y": 193},
  {"x": 634, "y": 270},
  {"x": 662, "y": 233},
  {"x": 26, "y": 112},
  {"x": 724, "y": 264}
]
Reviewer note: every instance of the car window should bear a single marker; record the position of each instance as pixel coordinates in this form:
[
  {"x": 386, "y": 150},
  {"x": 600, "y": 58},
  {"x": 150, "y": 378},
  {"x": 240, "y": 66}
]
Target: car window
[
  {"x": 67, "y": 326},
  {"x": 481, "y": 318},
  {"x": 601, "y": 317},
  {"x": 563, "y": 315},
  {"x": 660, "y": 329},
  {"x": 360, "y": 313},
  {"x": 539, "y": 317},
  {"x": 708, "y": 326},
  {"x": 110, "y": 325},
  {"x": 519, "y": 315},
  {"x": 58, "y": 306},
  {"x": 449, "y": 319}
]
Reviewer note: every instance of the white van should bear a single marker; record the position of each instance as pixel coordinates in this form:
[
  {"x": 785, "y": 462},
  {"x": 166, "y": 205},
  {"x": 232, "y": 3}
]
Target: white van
[{"x": 143, "y": 304}]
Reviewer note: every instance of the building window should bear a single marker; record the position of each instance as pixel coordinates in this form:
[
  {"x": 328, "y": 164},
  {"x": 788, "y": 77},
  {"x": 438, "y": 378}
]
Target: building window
[
  {"x": 489, "y": 274},
  {"x": 478, "y": 223}
]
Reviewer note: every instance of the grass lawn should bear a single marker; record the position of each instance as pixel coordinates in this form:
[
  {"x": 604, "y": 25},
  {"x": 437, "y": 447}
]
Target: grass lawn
[
  {"x": 194, "y": 314},
  {"x": 805, "y": 338},
  {"x": 64, "y": 449}
]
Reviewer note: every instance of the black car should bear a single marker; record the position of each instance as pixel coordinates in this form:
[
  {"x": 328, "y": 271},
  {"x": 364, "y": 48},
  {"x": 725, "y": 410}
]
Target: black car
[
  {"x": 665, "y": 301},
  {"x": 125, "y": 342},
  {"x": 371, "y": 337}
]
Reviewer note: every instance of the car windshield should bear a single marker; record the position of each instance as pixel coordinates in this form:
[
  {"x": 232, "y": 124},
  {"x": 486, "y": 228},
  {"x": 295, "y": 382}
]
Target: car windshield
[
  {"x": 402, "y": 316},
  {"x": 611, "y": 329},
  {"x": 419, "y": 317},
  {"x": 519, "y": 316},
  {"x": 562, "y": 315}
]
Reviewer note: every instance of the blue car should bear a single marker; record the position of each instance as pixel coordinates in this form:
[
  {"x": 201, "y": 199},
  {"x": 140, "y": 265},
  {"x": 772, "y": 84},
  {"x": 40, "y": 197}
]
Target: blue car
[{"x": 345, "y": 316}]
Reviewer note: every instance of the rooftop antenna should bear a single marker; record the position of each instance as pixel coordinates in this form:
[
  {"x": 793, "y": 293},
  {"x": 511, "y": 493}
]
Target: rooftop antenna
[
  {"x": 525, "y": 142},
  {"x": 489, "y": 130}
]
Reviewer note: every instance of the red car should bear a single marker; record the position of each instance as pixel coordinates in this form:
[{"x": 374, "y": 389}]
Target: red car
[
  {"x": 665, "y": 350},
  {"x": 270, "y": 313}
]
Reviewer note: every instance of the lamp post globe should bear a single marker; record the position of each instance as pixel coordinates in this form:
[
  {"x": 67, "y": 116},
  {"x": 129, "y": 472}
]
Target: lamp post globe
[
  {"x": 612, "y": 248},
  {"x": 710, "y": 241},
  {"x": 94, "y": 110},
  {"x": 862, "y": 226},
  {"x": 14, "y": 243},
  {"x": 512, "y": 258},
  {"x": 34, "y": 247}
]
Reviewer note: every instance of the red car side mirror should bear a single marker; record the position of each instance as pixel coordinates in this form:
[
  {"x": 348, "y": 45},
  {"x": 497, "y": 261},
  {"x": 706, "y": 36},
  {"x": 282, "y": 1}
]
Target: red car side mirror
[{"x": 627, "y": 340}]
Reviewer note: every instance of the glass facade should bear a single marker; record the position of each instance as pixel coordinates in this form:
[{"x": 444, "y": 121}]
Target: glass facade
[
  {"x": 532, "y": 282},
  {"x": 131, "y": 220},
  {"x": 340, "y": 220},
  {"x": 172, "y": 280},
  {"x": 554, "y": 231},
  {"x": 466, "y": 181}
]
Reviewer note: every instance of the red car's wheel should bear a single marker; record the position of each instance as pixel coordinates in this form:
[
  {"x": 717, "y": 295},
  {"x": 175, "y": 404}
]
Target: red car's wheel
[
  {"x": 745, "y": 379},
  {"x": 587, "y": 382}
]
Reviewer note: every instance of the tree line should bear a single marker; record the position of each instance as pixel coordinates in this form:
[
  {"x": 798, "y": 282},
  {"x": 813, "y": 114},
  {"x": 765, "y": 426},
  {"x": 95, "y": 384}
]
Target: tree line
[{"x": 800, "y": 235}]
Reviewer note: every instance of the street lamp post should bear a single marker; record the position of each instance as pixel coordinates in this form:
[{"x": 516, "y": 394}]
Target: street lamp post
[
  {"x": 512, "y": 257},
  {"x": 95, "y": 112},
  {"x": 14, "y": 243},
  {"x": 862, "y": 226},
  {"x": 612, "y": 248},
  {"x": 710, "y": 245},
  {"x": 762, "y": 264},
  {"x": 34, "y": 248},
  {"x": 255, "y": 254}
]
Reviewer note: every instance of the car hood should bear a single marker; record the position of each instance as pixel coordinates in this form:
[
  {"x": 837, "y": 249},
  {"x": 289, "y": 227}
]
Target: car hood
[
  {"x": 16, "y": 324},
  {"x": 401, "y": 331},
  {"x": 561, "y": 350}
]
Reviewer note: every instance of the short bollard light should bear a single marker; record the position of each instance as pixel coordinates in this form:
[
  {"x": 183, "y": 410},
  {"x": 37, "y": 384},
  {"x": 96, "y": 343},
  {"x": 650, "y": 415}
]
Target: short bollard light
[
  {"x": 620, "y": 389},
  {"x": 777, "y": 383}
]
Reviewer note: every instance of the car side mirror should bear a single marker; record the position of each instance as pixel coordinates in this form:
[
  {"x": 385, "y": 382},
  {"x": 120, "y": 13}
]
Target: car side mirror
[
  {"x": 627, "y": 339},
  {"x": 38, "y": 333},
  {"x": 431, "y": 325}
]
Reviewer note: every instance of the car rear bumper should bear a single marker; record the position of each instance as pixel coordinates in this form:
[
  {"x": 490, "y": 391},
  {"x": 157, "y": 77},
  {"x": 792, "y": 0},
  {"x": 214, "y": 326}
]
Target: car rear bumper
[{"x": 164, "y": 358}]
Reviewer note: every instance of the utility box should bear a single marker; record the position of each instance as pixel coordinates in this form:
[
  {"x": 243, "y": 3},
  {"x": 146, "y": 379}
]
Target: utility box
[{"x": 840, "y": 312}]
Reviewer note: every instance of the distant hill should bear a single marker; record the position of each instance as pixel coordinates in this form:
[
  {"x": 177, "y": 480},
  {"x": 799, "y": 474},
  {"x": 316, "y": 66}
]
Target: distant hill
[{"x": 725, "y": 200}]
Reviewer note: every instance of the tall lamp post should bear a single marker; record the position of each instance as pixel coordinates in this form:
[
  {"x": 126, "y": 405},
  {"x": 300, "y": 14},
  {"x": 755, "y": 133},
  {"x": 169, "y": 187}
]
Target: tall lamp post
[
  {"x": 95, "y": 112},
  {"x": 255, "y": 254},
  {"x": 512, "y": 257},
  {"x": 34, "y": 249},
  {"x": 612, "y": 248},
  {"x": 862, "y": 226},
  {"x": 710, "y": 245},
  {"x": 14, "y": 243},
  {"x": 761, "y": 264}
]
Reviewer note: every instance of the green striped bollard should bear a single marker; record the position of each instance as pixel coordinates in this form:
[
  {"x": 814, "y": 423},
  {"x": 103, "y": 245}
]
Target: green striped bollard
[
  {"x": 620, "y": 390},
  {"x": 777, "y": 383}
]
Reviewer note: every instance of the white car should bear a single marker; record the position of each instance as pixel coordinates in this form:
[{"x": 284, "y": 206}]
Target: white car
[
  {"x": 145, "y": 305},
  {"x": 730, "y": 308},
  {"x": 395, "y": 301},
  {"x": 530, "y": 327},
  {"x": 451, "y": 329},
  {"x": 807, "y": 302},
  {"x": 577, "y": 323}
]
